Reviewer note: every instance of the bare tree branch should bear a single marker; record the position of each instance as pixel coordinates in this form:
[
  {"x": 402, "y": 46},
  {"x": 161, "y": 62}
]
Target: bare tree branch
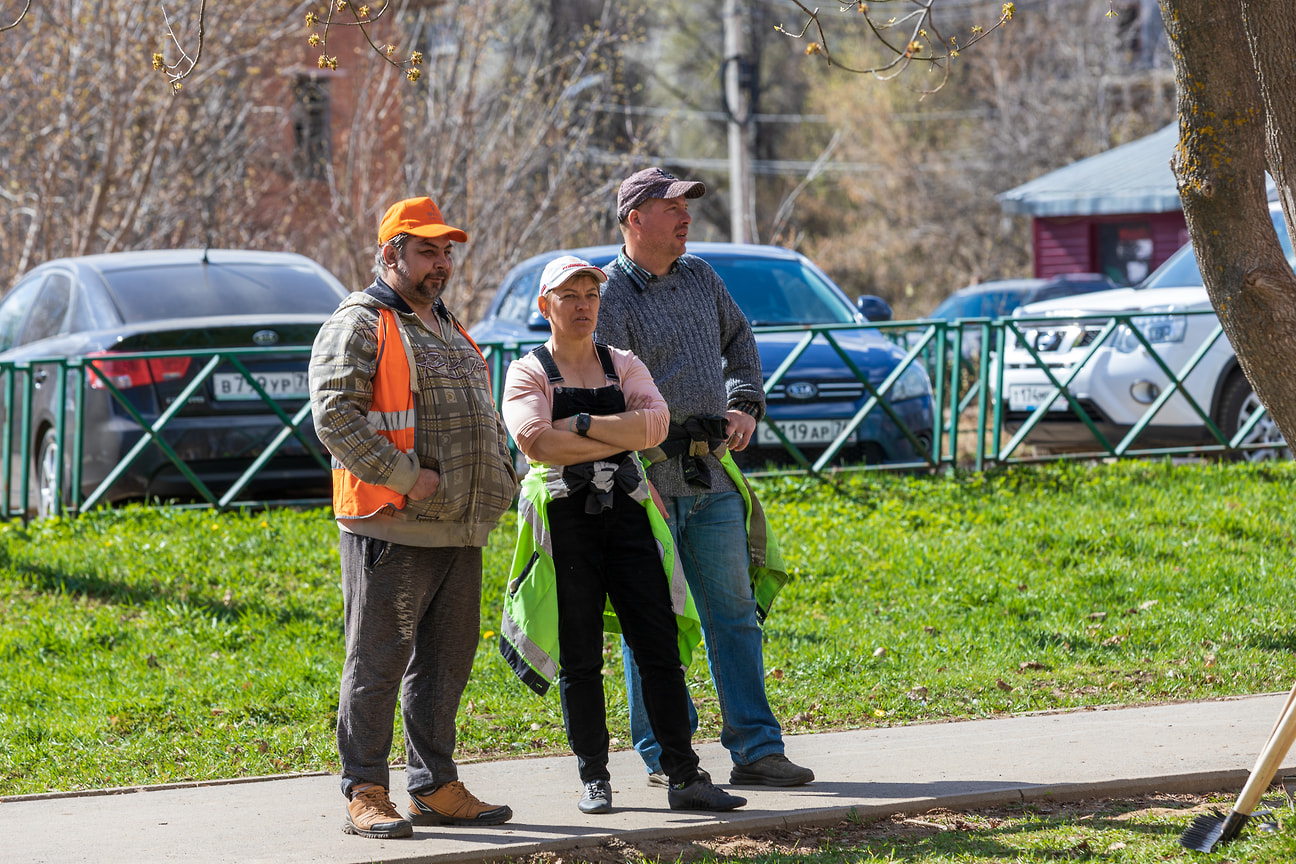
[
  {"x": 18, "y": 20},
  {"x": 183, "y": 68},
  {"x": 922, "y": 43}
]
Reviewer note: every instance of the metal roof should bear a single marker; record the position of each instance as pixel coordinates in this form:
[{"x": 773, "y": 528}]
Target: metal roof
[{"x": 1131, "y": 178}]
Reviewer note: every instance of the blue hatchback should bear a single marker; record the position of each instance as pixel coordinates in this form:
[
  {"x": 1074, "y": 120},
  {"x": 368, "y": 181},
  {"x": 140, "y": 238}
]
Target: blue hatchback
[{"x": 818, "y": 395}]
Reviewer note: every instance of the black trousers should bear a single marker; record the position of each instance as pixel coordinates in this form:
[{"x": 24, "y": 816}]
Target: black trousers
[{"x": 613, "y": 556}]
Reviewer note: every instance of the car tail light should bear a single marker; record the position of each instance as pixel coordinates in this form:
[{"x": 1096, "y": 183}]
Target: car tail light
[{"x": 125, "y": 374}]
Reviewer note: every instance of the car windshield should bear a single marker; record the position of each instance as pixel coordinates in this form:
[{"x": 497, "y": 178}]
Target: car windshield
[
  {"x": 1180, "y": 269},
  {"x": 781, "y": 292},
  {"x": 195, "y": 291},
  {"x": 768, "y": 291},
  {"x": 982, "y": 304}
]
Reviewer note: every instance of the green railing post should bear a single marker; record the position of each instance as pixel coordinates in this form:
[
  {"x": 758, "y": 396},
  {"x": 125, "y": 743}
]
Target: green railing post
[
  {"x": 78, "y": 435},
  {"x": 940, "y": 375},
  {"x": 7, "y": 444},
  {"x": 24, "y": 440},
  {"x": 60, "y": 438},
  {"x": 983, "y": 393}
]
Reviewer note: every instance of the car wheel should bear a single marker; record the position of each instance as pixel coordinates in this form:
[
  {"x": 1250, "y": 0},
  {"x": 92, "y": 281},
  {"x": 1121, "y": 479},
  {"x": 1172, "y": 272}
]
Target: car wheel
[
  {"x": 1237, "y": 403},
  {"x": 47, "y": 456}
]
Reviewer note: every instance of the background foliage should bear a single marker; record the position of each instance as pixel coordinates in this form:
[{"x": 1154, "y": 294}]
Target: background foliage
[{"x": 526, "y": 117}]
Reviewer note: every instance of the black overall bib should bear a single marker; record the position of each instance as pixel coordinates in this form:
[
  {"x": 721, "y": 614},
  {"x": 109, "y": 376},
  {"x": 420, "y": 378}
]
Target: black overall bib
[{"x": 604, "y": 549}]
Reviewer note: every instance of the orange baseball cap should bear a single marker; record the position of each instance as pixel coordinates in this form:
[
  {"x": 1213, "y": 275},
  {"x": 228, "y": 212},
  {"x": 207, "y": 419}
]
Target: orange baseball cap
[{"x": 417, "y": 216}]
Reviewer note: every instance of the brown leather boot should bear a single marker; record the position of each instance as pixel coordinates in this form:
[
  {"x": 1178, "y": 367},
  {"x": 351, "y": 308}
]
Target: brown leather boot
[
  {"x": 453, "y": 804},
  {"x": 371, "y": 813}
]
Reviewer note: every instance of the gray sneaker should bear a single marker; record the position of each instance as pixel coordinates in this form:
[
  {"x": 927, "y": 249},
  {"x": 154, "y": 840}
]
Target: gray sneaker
[
  {"x": 597, "y": 797},
  {"x": 659, "y": 778},
  {"x": 772, "y": 770}
]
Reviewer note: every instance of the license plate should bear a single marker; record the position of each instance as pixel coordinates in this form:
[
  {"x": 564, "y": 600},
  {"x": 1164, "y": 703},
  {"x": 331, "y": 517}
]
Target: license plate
[
  {"x": 1028, "y": 397},
  {"x": 820, "y": 432},
  {"x": 280, "y": 385}
]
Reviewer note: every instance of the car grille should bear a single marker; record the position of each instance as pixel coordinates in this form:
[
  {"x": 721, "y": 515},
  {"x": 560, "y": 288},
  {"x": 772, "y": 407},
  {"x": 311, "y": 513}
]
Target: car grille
[{"x": 824, "y": 391}]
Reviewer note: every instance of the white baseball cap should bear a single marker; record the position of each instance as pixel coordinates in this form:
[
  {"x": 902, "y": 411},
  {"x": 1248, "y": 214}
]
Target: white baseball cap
[{"x": 564, "y": 267}]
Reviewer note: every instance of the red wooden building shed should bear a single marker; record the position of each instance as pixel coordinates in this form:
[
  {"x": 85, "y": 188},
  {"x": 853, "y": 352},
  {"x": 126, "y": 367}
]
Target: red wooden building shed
[{"x": 1116, "y": 213}]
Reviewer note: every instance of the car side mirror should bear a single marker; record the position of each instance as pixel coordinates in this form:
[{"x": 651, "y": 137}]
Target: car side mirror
[
  {"x": 536, "y": 321},
  {"x": 873, "y": 308}
]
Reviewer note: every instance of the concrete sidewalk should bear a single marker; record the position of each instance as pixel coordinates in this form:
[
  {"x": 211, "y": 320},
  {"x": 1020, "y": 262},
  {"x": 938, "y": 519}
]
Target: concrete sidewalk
[{"x": 1186, "y": 747}]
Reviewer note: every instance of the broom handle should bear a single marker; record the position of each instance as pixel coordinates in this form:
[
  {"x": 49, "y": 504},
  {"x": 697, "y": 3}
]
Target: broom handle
[{"x": 1269, "y": 760}]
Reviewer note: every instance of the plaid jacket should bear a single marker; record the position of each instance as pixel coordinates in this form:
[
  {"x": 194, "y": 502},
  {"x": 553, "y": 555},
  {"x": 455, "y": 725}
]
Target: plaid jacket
[{"x": 458, "y": 431}]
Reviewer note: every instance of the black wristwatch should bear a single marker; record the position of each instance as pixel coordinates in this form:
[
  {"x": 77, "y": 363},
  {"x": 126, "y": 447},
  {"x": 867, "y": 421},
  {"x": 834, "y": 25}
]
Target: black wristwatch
[{"x": 582, "y": 425}]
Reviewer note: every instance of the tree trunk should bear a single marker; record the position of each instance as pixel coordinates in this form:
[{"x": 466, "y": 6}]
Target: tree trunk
[{"x": 1235, "y": 90}]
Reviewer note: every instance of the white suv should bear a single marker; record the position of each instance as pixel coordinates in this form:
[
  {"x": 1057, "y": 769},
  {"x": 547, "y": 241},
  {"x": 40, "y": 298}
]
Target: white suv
[{"x": 1122, "y": 380}]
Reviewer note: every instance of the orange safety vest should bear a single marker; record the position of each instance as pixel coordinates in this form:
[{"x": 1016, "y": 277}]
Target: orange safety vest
[{"x": 392, "y": 415}]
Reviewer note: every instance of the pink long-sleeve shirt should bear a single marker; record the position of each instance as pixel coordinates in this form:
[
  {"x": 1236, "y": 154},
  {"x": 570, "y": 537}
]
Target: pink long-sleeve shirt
[{"x": 528, "y": 399}]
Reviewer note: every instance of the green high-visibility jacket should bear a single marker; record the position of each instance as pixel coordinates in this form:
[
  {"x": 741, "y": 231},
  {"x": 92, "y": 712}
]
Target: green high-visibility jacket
[
  {"x": 529, "y": 629},
  {"x": 766, "y": 568}
]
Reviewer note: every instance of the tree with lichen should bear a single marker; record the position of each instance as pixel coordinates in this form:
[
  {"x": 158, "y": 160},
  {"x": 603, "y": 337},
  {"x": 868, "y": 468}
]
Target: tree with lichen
[{"x": 1237, "y": 120}]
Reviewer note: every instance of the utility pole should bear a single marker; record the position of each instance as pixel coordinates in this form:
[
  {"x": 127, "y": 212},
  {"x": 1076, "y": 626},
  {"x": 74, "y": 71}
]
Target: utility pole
[{"x": 737, "y": 79}]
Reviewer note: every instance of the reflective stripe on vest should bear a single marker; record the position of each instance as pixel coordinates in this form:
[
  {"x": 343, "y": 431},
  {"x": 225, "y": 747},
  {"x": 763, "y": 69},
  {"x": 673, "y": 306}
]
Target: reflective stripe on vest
[{"x": 392, "y": 416}]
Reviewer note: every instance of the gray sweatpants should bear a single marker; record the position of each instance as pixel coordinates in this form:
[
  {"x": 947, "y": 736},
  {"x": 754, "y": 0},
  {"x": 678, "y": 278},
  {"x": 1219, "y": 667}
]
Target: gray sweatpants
[{"x": 412, "y": 619}]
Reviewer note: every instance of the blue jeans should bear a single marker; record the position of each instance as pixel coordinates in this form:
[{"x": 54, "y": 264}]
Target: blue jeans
[{"x": 711, "y": 539}]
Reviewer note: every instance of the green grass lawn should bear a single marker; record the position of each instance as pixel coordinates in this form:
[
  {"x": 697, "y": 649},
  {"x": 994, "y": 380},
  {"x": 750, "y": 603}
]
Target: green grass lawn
[{"x": 154, "y": 645}]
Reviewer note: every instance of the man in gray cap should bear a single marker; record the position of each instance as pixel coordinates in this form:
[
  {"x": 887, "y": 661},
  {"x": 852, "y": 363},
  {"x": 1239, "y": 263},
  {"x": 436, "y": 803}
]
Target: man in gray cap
[{"x": 673, "y": 311}]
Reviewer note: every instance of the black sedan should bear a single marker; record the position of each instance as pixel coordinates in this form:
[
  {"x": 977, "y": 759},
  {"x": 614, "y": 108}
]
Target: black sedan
[{"x": 220, "y": 316}]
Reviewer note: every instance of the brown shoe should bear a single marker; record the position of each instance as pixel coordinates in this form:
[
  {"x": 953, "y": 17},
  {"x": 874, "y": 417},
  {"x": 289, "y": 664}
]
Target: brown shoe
[
  {"x": 370, "y": 813},
  {"x": 453, "y": 804}
]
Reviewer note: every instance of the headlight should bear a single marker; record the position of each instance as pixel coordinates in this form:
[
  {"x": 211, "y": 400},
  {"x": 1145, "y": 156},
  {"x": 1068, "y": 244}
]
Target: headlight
[
  {"x": 913, "y": 382},
  {"x": 1157, "y": 329}
]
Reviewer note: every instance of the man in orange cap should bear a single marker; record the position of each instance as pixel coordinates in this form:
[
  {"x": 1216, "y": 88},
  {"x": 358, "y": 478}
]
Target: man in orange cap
[{"x": 421, "y": 473}]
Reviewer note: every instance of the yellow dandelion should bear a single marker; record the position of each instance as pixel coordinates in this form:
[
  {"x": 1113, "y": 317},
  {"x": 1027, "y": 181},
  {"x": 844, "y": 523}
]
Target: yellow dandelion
[{"x": 878, "y": 712}]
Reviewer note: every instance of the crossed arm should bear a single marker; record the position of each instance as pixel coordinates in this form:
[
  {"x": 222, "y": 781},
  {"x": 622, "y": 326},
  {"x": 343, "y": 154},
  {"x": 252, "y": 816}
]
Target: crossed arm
[{"x": 528, "y": 412}]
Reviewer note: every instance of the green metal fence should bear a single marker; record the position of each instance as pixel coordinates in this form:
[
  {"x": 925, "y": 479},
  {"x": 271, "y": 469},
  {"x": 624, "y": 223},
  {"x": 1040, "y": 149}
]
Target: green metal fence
[
  {"x": 73, "y": 481},
  {"x": 46, "y": 402}
]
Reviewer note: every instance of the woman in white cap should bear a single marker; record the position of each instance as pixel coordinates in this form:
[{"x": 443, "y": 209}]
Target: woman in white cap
[{"x": 593, "y": 550}]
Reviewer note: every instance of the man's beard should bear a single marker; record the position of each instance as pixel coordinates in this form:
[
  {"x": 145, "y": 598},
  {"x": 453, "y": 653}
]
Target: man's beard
[{"x": 427, "y": 291}]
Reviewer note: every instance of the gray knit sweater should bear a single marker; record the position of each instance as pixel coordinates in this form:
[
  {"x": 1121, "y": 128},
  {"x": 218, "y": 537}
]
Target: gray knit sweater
[{"x": 694, "y": 340}]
